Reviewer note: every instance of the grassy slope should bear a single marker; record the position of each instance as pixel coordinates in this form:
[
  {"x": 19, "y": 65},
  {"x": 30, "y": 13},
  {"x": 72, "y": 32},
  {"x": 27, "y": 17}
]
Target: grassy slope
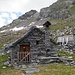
[
  {"x": 10, "y": 71},
  {"x": 3, "y": 58},
  {"x": 67, "y": 22},
  {"x": 50, "y": 69},
  {"x": 56, "y": 70}
]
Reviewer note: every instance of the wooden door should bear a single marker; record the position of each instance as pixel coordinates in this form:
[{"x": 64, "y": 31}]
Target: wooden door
[{"x": 24, "y": 50}]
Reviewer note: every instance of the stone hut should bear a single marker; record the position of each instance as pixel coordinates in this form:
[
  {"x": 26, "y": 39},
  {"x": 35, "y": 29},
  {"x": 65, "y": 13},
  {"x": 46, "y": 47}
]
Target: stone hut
[{"x": 34, "y": 46}]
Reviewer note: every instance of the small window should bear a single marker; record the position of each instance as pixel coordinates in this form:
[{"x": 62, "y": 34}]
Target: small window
[
  {"x": 37, "y": 42},
  {"x": 24, "y": 48}
]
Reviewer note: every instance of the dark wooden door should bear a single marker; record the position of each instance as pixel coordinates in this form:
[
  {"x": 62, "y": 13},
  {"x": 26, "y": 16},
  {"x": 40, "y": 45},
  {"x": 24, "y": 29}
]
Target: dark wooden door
[{"x": 24, "y": 50}]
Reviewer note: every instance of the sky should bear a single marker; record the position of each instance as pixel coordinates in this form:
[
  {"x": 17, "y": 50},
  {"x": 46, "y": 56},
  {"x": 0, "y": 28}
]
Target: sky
[{"x": 12, "y": 9}]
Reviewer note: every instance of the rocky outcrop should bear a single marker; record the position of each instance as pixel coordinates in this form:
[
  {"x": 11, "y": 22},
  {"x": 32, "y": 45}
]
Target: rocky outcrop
[
  {"x": 62, "y": 9},
  {"x": 27, "y": 15},
  {"x": 59, "y": 10}
]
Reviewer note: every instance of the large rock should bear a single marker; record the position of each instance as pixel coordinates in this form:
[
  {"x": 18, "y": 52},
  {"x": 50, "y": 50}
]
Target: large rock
[
  {"x": 60, "y": 9},
  {"x": 31, "y": 70},
  {"x": 28, "y": 15}
]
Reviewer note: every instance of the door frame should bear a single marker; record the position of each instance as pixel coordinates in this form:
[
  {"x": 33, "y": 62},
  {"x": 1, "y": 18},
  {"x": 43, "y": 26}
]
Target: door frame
[{"x": 24, "y": 56}]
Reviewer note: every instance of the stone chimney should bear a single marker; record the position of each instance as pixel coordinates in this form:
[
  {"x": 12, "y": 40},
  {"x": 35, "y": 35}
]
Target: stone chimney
[
  {"x": 49, "y": 47},
  {"x": 47, "y": 33}
]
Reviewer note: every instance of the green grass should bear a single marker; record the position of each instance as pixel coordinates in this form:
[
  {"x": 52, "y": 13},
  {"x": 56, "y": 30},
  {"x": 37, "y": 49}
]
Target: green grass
[
  {"x": 10, "y": 71},
  {"x": 50, "y": 69},
  {"x": 61, "y": 24},
  {"x": 1, "y": 46},
  {"x": 73, "y": 56},
  {"x": 1, "y": 51},
  {"x": 72, "y": 8},
  {"x": 55, "y": 20},
  {"x": 58, "y": 26},
  {"x": 55, "y": 69},
  {"x": 3, "y": 58},
  {"x": 66, "y": 55}
]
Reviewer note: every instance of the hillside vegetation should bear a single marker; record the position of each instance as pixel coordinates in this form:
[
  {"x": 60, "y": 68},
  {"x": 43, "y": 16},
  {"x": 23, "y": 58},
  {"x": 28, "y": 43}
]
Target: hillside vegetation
[{"x": 50, "y": 69}]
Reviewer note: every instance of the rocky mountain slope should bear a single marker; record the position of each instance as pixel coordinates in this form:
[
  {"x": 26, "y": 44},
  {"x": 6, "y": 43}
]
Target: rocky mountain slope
[
  {"x": 60, "y": 10},
  {"x": 60, "y": 14}
]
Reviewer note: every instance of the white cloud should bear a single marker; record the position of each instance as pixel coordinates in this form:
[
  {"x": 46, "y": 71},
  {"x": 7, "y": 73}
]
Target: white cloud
[
  {"x": 7, "y": 17},
  {"x": 9, "y": 21},
  {"x": 4, "y": 15},
  {"x": 23, "y": 5},
  {"x": 12, "y": 5},
  {"x": 13, "y": 16},
  {"x": 9, "y": 6},
  {"x": 2, "y": 22}
]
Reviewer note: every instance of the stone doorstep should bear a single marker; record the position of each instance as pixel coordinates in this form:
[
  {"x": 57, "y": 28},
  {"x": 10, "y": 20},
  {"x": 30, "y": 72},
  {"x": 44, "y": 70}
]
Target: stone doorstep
[
  {"x": 16, "y": 68},
  {"x": 30, "y": 66},
  {"x": 48, "y": 58},
  {"x": 36, "y": 64},
  {"x": 24, "y": 66},
  {"x": 30, "y": 70}
]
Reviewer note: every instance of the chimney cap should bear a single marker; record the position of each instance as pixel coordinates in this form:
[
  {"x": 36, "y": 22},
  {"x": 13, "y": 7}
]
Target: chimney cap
[{"x": 47, "y": 24}]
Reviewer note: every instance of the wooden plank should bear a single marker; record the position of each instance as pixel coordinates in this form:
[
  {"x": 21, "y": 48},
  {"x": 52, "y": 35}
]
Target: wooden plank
[{"x": 26, "y": 56}]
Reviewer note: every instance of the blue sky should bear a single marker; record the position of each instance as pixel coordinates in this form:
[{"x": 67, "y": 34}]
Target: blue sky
[
  {"x": 7, "y": 17},
  {"x": 12, "y": 9}
]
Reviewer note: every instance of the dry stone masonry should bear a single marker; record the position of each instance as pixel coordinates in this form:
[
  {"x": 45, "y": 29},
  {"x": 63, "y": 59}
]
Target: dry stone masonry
[{"x": 35, "y": 46}]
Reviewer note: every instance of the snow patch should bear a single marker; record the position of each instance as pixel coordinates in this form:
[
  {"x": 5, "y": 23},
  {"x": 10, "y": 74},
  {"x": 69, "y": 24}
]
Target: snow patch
[
  {"x": 39, "y": 26},
  {"x": 41, "y": 19},
  {"x": 13, "y": 29},
  {"x": 3, "y": 31},
  {"x": 31, "y": 23},
  {"x": 17, "y": 29}
]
